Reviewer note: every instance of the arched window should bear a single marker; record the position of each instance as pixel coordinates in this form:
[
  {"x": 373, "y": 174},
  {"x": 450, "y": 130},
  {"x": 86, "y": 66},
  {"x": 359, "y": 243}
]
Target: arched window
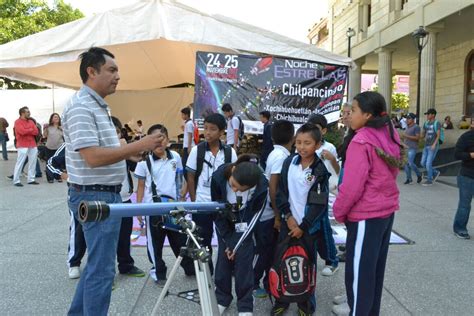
[{"x": 469, "y": 90}]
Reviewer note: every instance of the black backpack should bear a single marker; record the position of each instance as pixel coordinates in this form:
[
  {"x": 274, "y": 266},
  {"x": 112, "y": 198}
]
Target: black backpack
[
  {"x": 292, "y": 277},
  {"x": 201, "y": 153},
  {"x": 241, "y": 128}
]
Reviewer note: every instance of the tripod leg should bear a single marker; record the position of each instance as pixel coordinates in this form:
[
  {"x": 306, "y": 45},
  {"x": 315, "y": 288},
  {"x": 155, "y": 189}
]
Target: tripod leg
[
  {"x": 207, "y": 295},
  {"x": 167, "y": 285}
]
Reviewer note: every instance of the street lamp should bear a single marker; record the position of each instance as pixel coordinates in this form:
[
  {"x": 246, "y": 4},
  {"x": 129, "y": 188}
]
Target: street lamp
[
  {"x": 349, "y": 33},
  {"x": 419, "y": 36}
]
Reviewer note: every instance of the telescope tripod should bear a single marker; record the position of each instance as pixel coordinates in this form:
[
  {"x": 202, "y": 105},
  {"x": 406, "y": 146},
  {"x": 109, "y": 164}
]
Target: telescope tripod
[{"x": 201, "y": 257}]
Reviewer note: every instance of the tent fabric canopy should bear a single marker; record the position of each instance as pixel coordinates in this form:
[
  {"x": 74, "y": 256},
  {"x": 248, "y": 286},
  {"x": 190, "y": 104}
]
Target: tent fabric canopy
[{"x": 154, "y": 42}]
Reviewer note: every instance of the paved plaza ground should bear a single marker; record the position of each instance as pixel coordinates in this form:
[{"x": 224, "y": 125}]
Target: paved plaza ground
[{"x": 432, "y": 276}]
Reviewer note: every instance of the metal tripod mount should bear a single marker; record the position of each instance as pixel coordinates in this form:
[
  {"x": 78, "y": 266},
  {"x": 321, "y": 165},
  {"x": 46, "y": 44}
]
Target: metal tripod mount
[{"x": 201, "y": 257}]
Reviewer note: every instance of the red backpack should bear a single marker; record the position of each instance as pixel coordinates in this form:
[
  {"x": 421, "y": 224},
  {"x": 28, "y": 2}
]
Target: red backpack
[{"x": 292, "y": 276}]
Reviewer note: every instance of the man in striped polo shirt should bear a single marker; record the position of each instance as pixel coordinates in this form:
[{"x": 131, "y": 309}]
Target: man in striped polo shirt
[{"x": 96, "y": 168}]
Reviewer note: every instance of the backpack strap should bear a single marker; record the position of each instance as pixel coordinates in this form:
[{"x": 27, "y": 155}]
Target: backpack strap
[
  {"x": 156, "y": 198},
  {"x": 201, "y": 153},
  {"x": 227, "y": 154}
]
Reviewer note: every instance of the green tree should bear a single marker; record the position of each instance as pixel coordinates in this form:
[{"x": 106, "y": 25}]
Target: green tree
[
  {"x": 20, "y": 18},
  {"x": 400, "y": 101}
]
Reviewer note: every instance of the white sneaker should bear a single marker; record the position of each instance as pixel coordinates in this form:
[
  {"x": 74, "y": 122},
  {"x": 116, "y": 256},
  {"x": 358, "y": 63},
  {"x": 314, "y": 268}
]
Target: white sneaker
[
  {"x": 221, "y": 309},
  {"x": 74, "y": 272},
  {"x": 339, "y": 299},
  {"x": 341, "y": 310},
  {"x": 246, "y": 314},
  {"x": 329, "y": 270}
]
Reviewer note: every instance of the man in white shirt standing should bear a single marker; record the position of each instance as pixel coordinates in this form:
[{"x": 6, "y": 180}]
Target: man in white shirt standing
[
  {"x": 233, "y": 126},
  {"x": 188, "y": 139}
]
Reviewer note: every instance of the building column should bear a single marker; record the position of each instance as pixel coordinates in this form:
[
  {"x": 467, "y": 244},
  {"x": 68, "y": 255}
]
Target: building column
[
  {"x": 428, "y": 74},
  {"x": 385, "y": 75},
  {"x": 355, "y": 78}
]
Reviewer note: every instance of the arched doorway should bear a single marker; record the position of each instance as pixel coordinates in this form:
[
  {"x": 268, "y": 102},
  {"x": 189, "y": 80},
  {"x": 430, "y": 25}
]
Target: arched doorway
[{"x": 469, "y": 86}]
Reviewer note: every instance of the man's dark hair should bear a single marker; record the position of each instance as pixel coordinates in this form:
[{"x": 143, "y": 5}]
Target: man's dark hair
[
  {"x": 282, "y": 132},
  {"x": 159, "y": 127},
  {"x": 95, "y": 58},
  {"x": 216, "y": 119},
  {"x": 265, "y": 114},
  {"x": 116, "y": 122},
  {"x": 22, "y": 110},
  {"x": 186, "y": 111},
  {"x": 312, "y": 130},
  {"x": 318, "y": 119},
  {"x": 226, "y": 107},
  {"x": 139, "y": 122}
]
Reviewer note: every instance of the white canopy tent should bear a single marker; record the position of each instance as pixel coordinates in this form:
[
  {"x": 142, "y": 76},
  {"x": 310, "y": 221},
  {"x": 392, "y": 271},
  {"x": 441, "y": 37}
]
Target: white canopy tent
[{"x": 155, "y": 44}]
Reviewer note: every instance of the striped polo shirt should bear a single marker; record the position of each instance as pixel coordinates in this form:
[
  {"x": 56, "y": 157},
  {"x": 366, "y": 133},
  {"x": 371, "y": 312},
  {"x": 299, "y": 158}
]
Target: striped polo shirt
[{"x": 87, "y": 123}]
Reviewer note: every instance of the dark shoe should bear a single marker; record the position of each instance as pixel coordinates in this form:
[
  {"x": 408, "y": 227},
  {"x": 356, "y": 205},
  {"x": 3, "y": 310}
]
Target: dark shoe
[
  {"x": 60, "y": 180},
  {"x": 418, "y": 179},
  {"x": 134, "y": 272},
  {"x": 10, "y": 177},
  {"x": 33, "y": 182},
  {"x": 50, "y": 181},
  {"x": 38, "y": 176},
  {"x": 462, "y": 235},
  {"x": 408, "y": 182},
  {"x": 18, "y": 184},
  {"x": 279, "y": 309}
]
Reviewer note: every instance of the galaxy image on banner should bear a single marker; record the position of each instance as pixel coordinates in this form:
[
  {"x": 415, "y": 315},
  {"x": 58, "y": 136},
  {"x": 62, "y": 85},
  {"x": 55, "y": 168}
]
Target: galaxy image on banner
[{"x": 290, "y": 89}]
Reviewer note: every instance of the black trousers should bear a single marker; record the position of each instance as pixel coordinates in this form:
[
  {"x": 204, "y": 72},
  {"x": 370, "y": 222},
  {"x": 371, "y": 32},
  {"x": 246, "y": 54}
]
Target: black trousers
[
  {"x": 366, "y": 255},
  {"x": 266, "y": 239},
  {"x": 77, "y": 244},
  {"x": 205, "y": 222},
  {"x": 155, "y": 240},
  {"x": 243, "y": 272}
]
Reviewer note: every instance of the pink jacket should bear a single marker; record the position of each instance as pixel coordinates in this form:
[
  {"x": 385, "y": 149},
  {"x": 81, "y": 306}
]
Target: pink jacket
[{"x": 369, "y": 185}]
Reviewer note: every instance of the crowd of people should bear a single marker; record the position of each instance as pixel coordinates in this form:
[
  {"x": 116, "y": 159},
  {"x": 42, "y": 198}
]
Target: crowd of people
[{"x": 289, "y": 192}]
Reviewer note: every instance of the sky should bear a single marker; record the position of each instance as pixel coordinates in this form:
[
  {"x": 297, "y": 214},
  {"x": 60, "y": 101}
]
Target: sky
[{"x": 292, "y": 19}]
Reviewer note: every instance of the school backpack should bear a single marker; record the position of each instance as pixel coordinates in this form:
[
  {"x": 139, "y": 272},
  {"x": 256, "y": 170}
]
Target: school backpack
[
  {"x": 241, "y": 128},
  {"x": 292, "y": 277},
  {"x": 201, "y": 153}
]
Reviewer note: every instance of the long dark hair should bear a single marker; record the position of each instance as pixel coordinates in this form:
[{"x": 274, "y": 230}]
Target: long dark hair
[
  {"x": 51, "y": 119},
  {"x": 247, "y": 172},
  {"x": 374, "y": 103}
]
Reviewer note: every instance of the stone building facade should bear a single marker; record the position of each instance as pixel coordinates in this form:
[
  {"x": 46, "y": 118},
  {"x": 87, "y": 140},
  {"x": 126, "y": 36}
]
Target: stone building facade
[{"x": 383, "y": 44}]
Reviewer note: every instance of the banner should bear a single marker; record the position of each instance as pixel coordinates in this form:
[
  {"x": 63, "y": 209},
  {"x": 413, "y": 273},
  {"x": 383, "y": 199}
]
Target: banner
[{"x": 289, "y": 89}]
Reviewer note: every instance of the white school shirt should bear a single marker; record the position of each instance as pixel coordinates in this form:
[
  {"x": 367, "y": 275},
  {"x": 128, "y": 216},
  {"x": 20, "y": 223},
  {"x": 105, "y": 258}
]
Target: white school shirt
[
  {"x": 232, "y": 124},
  {"x": 299, "y": 183},
  {"x": 188, "y": 128},
  {"x": 274, "y": 164},
  {"x": 203, "y": 193},
  {"x": 334, "y": 179},
  {"x": 164, "y": 175}
]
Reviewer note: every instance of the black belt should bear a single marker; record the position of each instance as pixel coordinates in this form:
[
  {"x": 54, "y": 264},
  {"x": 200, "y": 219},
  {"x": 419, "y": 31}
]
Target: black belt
[{"x": 96, "y": 187}]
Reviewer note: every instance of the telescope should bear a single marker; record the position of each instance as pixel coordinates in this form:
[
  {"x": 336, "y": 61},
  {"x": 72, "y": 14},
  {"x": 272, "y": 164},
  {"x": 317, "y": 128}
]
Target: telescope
[{"x": 97, "y": 211}]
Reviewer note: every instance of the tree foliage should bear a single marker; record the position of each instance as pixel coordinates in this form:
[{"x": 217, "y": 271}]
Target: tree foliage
[{"x": 20, "y": 18}]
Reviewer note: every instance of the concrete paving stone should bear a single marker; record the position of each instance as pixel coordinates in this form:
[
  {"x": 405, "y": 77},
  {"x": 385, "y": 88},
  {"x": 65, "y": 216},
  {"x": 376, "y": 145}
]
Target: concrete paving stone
[{"x": 430, "y": 277}]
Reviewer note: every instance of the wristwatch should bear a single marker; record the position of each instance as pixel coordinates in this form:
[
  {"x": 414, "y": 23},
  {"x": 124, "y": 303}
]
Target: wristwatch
[{"x": 287, "y": 216}]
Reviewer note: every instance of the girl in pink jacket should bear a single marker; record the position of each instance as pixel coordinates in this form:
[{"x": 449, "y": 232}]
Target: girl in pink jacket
[{"x": 367, "y": 200}]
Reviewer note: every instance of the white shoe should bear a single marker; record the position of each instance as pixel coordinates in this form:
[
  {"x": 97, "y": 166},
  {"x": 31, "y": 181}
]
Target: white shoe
[
  {"x": 74, "y": 272},
  {"x": 246, "y": 314},
  {"x": 339, "y": 299},
  {"x": 221, "y": 309},
  {"x": 329, "y": 270},
  {"x": 341, "y": 310}
]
